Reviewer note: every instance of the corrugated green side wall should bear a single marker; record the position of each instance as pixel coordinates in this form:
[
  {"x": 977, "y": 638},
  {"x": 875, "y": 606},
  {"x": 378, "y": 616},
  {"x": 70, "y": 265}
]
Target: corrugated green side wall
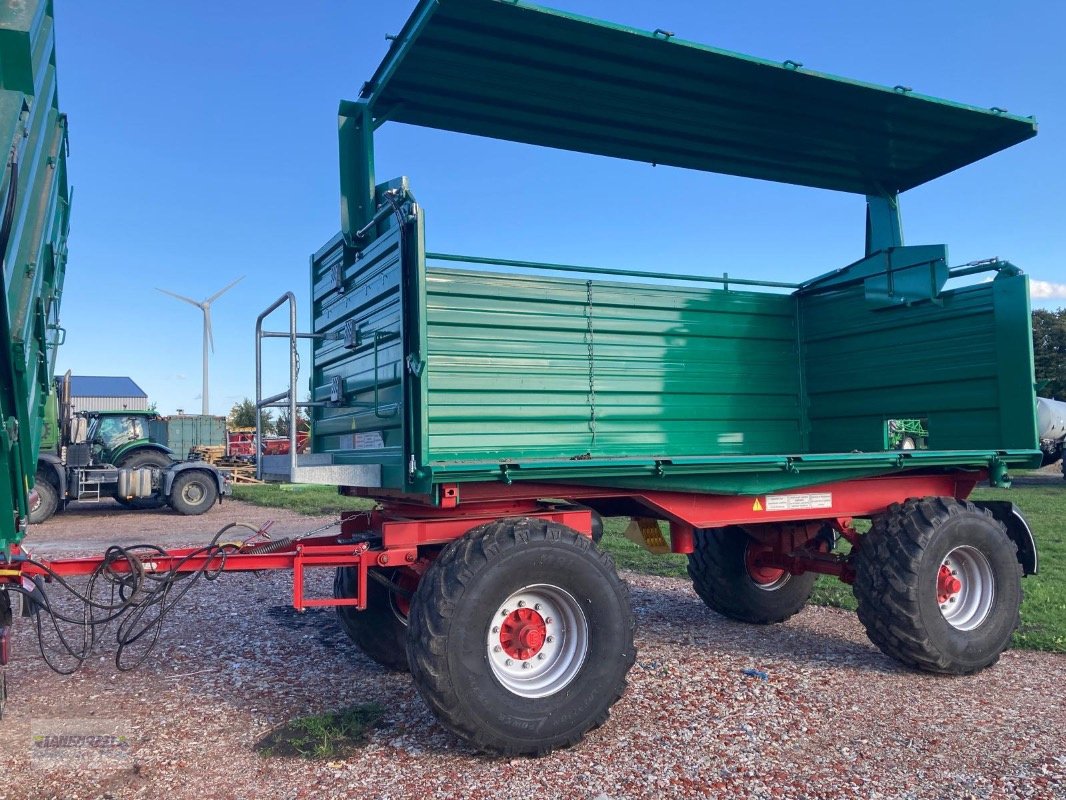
[
  {"x": 34, "y": 220},
  {"x": 963, "y": 363},
  {"x": 531, "y": 367}
]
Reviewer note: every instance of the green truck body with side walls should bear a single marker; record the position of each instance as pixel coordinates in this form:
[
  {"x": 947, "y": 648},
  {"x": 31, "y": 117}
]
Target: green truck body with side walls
[{"x": 35, "y": 208}]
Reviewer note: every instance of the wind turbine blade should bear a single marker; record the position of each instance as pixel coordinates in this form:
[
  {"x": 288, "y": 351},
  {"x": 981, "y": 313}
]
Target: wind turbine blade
[
  {"x": 207, "y": 327},
  {"x": 179, "y": 296},
  {"x": 221, "y": 292}
]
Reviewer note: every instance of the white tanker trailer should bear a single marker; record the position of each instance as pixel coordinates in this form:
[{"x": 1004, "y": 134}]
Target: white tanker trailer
[{"x": 1051, "y": 426}]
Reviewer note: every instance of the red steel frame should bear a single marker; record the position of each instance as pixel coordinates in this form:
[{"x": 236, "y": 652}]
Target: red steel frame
[{"x": 404, "y": 526}]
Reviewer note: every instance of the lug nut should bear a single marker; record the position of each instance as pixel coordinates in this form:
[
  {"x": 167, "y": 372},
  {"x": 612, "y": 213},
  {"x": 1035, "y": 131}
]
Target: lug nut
[
  {"x": 951, "y": 600},
  {"x": 508, "y": 663},
  {"x": 504, "y": 613},
  {"x": 536, "y": 606},
  {"x": 521, "y": 603},
  {"x": 526, "y": 665},
  {"x": 495, "y": 628},
  {"x": 550, "y": 639},
  {"x": 497, "y": 649},
  {"x": 548, "y": 620},
  {"x": 541, "y": 656}
]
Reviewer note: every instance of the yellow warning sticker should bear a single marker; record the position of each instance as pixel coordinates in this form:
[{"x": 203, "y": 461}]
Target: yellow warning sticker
[{"x": 756, "y": 506}]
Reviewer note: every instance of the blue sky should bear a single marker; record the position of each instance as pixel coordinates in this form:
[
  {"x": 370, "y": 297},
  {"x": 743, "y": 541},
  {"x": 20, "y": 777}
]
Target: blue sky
[{"x": 203, "y": 148}]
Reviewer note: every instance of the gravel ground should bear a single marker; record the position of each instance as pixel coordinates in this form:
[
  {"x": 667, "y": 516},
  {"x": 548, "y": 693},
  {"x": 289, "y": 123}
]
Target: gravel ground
[{"x": 834, "y": 719}]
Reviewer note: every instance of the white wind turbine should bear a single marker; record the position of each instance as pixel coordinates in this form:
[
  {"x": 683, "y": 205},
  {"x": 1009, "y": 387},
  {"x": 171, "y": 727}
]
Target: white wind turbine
[{"x": 209, "y": 338}]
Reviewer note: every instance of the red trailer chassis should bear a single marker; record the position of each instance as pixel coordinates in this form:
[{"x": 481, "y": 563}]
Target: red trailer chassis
[
  {"x": 545, "y": 604},
  {"x": 392, "y": 535}
]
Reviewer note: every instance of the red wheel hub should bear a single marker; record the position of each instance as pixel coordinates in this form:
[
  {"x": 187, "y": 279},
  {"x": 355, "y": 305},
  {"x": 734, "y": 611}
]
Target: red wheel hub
[
  {"x": 522, "y": 633},
  {"x": 759, "y": 572},
  {"x": 947, "y": 585},
  {"x": 406, "y": 579}
]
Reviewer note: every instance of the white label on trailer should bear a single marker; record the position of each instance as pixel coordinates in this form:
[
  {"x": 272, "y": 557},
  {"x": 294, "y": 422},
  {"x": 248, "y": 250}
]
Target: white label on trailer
[
  {"x": 362, "y": 441},
  {"x": 798, "y": 502}
]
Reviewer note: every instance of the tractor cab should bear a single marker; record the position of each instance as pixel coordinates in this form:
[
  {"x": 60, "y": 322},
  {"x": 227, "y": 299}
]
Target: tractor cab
[{"x": 113, "y": 434}]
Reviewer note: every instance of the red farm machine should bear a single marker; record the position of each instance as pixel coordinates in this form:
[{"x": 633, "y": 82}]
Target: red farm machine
[{"x": 496, "y": 410}]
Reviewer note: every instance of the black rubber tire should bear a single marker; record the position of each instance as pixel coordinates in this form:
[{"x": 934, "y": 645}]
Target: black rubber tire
[
  {"x": 381, "y": 630},
  {"x": 721, "y": 579},
  {"x": 448, "y": 631},
  {"x": 193, "y": 492},
  {"x": 896, "y": 570},
  {"x": 137, "y": 460},
  {"x": 47, "y": 500}
]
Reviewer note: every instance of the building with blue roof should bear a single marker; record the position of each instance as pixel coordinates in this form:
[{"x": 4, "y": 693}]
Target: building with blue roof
[{"x": 106, "y": 393}]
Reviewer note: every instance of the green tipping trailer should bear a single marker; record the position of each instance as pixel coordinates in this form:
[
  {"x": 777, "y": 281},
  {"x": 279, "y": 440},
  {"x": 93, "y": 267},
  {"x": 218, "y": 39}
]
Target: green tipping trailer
[
  {"x": 35, "y": 204},
  {"x": 429, "y": 370},
  {"x": 495, "y": 408}
]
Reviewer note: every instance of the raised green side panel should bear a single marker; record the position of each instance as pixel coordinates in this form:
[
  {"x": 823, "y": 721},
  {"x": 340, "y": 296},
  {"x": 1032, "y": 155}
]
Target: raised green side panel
[
  {"x": 509, "y": 69},
  {"x": 34, "y": 219}
]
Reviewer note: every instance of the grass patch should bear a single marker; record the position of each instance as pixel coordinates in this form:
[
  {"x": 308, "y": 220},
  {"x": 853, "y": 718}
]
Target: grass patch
[
  {"x": 302, "y": 498},
  {"x": 322, "y": 737},
  {"x": 1043, "y": 611},
  {"x": 1044, "y": 608}
]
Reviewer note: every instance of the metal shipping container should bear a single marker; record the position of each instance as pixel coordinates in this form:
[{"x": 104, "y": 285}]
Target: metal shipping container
[{"x": 184, "y": 431}]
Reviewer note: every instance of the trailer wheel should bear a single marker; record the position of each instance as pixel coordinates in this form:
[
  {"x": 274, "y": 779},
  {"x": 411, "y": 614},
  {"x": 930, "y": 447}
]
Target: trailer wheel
[
  {"x": 727, "y": 577},
  {"x": 138, "y": 460},
  {"x": 47, "y": 500},
  {"x": 520, "y": 636},
  {"x": 938, "y": 585},
  {"x": 193, "y": 492},
  {"x": 381, "y": 630}
]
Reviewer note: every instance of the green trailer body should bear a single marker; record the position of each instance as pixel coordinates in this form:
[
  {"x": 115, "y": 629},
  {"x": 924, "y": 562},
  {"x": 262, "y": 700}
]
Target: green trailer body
[
  {"x": 443, "y": 375},
  {"x": 35, "y": 208},
  {"x": 431, "y": 369}
]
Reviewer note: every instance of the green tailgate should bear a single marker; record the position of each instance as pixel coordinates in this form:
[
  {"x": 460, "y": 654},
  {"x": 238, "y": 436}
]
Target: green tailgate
[{"x": 35, "y": 204}]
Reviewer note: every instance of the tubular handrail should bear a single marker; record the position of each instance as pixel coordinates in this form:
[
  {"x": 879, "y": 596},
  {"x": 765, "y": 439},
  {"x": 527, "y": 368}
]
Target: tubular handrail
[
  {"x": 290, "y": 395},
  {"x": 724, "y": 279}
]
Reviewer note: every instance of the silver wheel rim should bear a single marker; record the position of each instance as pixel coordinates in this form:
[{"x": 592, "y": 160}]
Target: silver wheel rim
[
  {"x": 970, "y": 605},
  {"x": 193, "y": 493},
  {"x": 553, "y": 664},
  {"x": 770, "y": 586}
]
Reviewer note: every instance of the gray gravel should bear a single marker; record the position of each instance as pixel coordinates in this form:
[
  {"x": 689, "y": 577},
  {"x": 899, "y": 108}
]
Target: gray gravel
[{"x": 835, "y": 718}]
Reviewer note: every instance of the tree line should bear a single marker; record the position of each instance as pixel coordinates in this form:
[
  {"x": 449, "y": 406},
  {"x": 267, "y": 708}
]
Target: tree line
[
  {"x": 242, "y": 415},
  {"x": 1049, "y": 352}
]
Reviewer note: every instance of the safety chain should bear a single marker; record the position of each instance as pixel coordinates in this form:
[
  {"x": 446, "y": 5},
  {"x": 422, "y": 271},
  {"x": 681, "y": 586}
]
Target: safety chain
[{"x": 590, "y": 340}]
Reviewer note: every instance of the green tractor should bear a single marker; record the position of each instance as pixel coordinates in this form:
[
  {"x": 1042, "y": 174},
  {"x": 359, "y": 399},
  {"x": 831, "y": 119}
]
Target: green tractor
[{"x": 93, "y": 455}]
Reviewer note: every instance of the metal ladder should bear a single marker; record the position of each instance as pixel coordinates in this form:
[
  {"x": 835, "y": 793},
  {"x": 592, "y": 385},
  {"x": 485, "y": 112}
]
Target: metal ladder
[{"x": 88, "y": 488}]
